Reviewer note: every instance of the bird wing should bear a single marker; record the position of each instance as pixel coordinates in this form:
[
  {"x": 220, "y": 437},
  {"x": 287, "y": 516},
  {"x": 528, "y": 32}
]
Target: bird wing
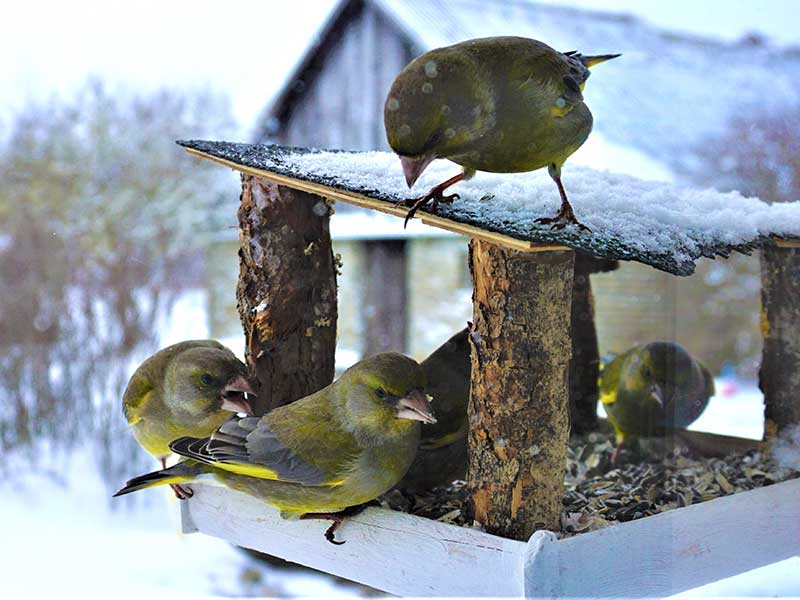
[
  {"x": 257, "y": 447},
  {"x": 137, "y": 395},
  {"x": 708, "y": 380},
  {"x": 563, "y": 74}
]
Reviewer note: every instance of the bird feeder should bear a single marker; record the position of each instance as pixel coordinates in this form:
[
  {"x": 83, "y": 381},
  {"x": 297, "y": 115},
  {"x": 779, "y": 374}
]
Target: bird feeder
[{"x": 521, "y": 360}]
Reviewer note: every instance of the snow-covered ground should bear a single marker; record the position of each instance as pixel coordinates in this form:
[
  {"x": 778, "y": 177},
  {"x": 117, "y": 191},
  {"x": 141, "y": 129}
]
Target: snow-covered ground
[{"x": 63, "y": 535}]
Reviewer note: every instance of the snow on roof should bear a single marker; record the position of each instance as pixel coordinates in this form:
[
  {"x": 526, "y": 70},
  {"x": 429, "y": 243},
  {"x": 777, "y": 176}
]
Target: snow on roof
[{"x": 656, "y": 223}]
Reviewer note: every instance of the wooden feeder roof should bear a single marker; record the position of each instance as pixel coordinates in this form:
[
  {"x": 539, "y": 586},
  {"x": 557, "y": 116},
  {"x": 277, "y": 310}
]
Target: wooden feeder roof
[{"x": 658, "y": 224}]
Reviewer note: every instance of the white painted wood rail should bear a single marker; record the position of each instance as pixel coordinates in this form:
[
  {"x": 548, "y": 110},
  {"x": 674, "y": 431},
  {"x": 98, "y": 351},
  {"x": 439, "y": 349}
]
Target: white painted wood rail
[{"x": 412, "y": 556}]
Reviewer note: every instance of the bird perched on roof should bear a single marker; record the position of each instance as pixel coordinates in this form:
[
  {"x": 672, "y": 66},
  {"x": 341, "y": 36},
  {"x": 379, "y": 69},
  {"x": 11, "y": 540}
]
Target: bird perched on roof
[
  {"x": 190, "y": 388},
  {"x": 498, "y": 104},
  {"x": 333, "y": 450},
  {"x": 652, "y": 389},
  {"x": 442, "y": 454}
]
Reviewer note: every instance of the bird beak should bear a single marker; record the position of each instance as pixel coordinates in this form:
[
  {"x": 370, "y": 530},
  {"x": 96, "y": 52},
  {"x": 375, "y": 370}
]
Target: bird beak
[
  {"x": 590, "y": 61},
  {"x": 416, "y": 406},
  {"x": 413, "y": 167},
  {"x": 657, "y": 394},
  {"x": 234, "y": 395}
]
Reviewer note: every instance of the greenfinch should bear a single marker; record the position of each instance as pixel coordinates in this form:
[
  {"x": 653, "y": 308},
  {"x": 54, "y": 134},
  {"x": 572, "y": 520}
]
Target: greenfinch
[
  {"x": 188, "y": 389},
  {"x": 442, "y": 454},
  {"x": 652, "y": 389},
  {"x": 498, "y": 104},
  {"x": 338, "y": 448}
]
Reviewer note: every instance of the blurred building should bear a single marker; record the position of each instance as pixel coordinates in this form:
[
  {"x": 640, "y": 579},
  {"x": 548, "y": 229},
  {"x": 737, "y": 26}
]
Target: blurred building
[{"x": 655, "y": 110}]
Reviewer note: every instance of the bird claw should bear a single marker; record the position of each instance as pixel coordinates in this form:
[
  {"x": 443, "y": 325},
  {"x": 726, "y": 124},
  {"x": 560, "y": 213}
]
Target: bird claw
[
  {"x": 338, "y": 518},
  {"x": 181, "y": 493},
  {"x": 445, "y": 199},
  {"x": 435, "y": 197},
  {"x": 561, "y": 220},
  {"x": 330, "y": 533}
]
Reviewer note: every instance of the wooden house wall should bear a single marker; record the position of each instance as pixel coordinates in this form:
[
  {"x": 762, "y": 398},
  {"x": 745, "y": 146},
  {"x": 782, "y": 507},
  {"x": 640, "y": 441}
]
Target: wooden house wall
[{"x": 342, "y": 103}]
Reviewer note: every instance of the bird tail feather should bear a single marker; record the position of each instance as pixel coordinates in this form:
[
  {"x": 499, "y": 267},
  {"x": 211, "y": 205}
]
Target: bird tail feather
[
  {"x": 590, "y": 61},
  {"x": 181, "y": 473}
]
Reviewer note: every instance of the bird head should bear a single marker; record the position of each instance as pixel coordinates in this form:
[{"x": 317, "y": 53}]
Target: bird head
[
  {"x": 660, "y": 372},
  {"x": 385, "y": 394},
  {"x": 202, "y": 381},
  {"x": 434, "y": 107}
]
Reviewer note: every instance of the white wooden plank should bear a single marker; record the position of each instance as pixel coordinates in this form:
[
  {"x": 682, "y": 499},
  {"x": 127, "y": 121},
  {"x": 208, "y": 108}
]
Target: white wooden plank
[
  {"x": 394, "y": 552},
  {"x": 671, "y": 552}
]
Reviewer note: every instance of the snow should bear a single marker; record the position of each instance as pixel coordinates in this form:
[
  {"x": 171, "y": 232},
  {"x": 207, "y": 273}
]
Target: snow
[
  {"x": 63, "y": 535},
  {"x": 648, "y": 216},
  {"x": 780, "y": 579}
]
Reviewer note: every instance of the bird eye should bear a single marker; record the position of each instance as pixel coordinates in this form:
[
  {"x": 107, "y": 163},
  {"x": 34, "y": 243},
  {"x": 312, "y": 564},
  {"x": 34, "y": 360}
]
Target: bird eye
[
  {"x": 206, "y": 379},
  {"x": 380, "y": 393}
]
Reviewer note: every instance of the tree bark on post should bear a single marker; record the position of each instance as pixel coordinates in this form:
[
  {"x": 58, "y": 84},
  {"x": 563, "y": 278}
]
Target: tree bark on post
[
  {"x": 286, "y": 294},
  {"x": 585, "y": 362},
  {"x": 779, "y": 377},
  {"x": 518, "y": 408}
]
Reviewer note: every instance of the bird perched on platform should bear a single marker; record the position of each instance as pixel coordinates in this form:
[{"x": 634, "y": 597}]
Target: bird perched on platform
[
  {"x": 499, "y": 104},
  {"x": 190, "y": 388},
  {"x": 442, "y": 454},
  {"x": 333, "y": 450},
  {"x": 652, "y": 389}
]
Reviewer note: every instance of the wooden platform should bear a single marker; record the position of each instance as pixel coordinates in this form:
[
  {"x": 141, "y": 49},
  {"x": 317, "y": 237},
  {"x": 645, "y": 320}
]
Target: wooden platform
[
  {"x": 675, "y": 251},
  {"x": 412, "y": 556}
]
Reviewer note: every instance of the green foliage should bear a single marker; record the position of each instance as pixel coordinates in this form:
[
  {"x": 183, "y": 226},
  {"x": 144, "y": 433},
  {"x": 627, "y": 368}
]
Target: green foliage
[{"x": 103, "y": 222}]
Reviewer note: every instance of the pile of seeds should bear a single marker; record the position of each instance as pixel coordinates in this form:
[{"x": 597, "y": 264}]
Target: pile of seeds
[{"x": 645, "y": 482}]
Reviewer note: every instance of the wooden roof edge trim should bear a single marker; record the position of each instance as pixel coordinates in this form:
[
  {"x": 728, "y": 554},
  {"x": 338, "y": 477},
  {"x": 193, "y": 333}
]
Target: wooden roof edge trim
[{"x": 384, "y": 207}]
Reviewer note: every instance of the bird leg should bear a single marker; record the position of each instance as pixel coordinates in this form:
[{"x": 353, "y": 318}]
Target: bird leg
[
  {"x": 565, "y": 215},
  {"x": 616, "y": 454},
  {"x": 434, "y": 195},
  {"x": 338, "y": 518},
  {"x": 181, "y": 493}
]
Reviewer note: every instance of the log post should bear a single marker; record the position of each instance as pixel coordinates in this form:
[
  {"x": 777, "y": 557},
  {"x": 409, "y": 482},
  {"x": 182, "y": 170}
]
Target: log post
[
  {"x": 585, "y": 361},
  {"x": 518, "y": 408},
  {"x": 779, "y": 377},
  {"x": 286, "y": 294}
]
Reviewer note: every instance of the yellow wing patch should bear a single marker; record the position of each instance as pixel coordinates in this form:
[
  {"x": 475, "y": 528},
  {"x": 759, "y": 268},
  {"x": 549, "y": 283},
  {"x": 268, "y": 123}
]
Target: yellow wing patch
[
  {"x": 261, "y": 472},
  {"x": 608, "y": 397}
]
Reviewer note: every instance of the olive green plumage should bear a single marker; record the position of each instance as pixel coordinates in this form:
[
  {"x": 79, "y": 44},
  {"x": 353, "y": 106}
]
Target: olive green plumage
[
  {"x": 652, "y": 389},
  {"x": 442, "y": 454},
  {"x": 340, "y": 447},
  {"x": 189, "y": 388},
  {"x": 499, "y": 104}
]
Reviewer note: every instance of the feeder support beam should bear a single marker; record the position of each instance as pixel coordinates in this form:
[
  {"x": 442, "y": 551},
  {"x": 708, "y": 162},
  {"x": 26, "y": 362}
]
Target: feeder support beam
[
  {"x": 518, "y": 409},
  {"x": 286, "y": 294},
  {"x": 779, "y": 377}
]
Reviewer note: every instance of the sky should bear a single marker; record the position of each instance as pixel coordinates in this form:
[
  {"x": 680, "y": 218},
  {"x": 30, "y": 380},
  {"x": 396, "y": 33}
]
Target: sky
[{"x": 246, "y": 48}]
